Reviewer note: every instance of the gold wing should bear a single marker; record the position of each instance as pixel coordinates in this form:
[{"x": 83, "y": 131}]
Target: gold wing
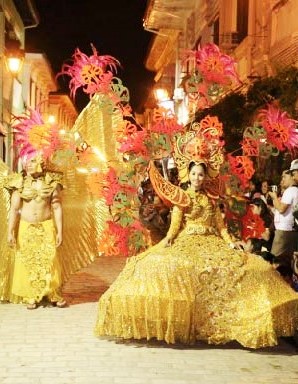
[
  {"x": 81, "y": 223},
  {"x": 85, "y": 215},
  {"x": 169, "y": 193}
]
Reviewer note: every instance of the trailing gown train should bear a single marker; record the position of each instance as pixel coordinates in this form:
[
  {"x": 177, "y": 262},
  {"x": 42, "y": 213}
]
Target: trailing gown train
[{"x": 199, "y": 288}]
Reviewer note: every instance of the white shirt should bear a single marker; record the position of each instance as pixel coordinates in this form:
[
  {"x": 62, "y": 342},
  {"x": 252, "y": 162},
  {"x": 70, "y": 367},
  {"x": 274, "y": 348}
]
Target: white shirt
[{"x": 285, "y": 221}]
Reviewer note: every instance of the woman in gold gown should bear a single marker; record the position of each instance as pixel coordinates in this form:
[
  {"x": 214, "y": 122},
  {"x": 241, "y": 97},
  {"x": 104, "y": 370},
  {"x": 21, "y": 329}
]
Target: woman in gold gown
[
  {"x": 35, "y": 230},
  {"x": 195, "y": 285}
]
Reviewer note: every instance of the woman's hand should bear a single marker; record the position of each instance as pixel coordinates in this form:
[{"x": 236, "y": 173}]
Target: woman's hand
[
  {"x": 58, "y": 240},
  {"x": 273, "y": 195},
  {"x": 237, "y": 245},
  {"x": 266, "y": 234},
  {"x": 167, "y": 242},
  {"x": 11, "y": 240}
]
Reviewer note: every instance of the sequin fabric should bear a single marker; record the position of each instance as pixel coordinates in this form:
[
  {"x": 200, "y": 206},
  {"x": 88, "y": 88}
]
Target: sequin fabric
[
  {"x": 198, "y": 289},
  {"x": 36, "y": 271},
  {"x": 31, "y": 188}
]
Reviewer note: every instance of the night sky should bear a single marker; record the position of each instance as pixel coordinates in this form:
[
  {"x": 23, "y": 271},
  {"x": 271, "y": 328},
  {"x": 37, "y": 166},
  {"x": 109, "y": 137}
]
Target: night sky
[{"x": 114, "y": 27}]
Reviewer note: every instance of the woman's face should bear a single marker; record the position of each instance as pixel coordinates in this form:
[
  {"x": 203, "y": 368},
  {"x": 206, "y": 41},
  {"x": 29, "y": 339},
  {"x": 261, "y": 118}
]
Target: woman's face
[
  {"x": 196, "y": 177},
  {"x": 264, "y": 187},
  {"x": 252, "y": 186}
]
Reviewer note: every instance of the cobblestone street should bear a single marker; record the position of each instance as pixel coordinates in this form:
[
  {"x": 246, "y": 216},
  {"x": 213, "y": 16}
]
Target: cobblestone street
[{"x": 56, "y": 346}]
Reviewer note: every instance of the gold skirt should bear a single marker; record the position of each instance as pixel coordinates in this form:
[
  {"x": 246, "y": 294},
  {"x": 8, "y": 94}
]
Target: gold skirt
[
  {"x": 198, "y": 289},
  {"x": 36, "y": 270}
]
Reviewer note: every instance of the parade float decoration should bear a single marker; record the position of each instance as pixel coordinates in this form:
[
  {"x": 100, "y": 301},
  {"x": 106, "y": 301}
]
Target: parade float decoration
[
  {"x": 272, "y": 132},
  {"x": 252, "y": 226},
  {"x": 212, "y": 74},
  {"x": 110, "y": 180}
]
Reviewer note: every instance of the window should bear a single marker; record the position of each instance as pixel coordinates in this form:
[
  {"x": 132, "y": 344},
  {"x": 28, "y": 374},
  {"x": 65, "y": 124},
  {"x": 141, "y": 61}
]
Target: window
[
  {"x": 2, "y": 147},
  {"x": 242, "y": 19},
  {"x": 216, "y": 31}
]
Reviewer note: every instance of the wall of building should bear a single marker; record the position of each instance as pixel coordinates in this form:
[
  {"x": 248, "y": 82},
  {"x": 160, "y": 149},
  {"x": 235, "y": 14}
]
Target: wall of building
[
  {"x": 261, "y": 35},
  {"x": 31, "y": 87}
]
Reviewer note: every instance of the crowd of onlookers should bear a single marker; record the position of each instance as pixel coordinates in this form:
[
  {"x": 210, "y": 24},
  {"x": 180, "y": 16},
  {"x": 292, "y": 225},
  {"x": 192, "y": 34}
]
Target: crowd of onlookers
[{"x": 278, "y": 208}]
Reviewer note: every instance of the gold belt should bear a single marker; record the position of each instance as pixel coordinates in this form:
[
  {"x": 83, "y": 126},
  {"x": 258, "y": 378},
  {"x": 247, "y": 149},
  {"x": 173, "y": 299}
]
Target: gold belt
[{"x": 199, "y": 229}]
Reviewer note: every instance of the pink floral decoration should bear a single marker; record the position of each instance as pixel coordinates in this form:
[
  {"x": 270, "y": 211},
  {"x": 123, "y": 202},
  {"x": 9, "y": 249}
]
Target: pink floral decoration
[
  {"x": 214, "y": 66},
  {"x": 280, "y": 128},
  {"x": 93, "y": 73},
  {"x": 165, "y": 122},
  {"x": 134, "y": 143},
  {"x": 242, "y": 167},
  {"x": 111, "y": 186},
  {"x": 121, "y": 236}
]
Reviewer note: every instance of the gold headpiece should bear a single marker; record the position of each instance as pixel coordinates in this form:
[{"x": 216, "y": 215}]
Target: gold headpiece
[
  {"x": 38, "y": 159},
  {"x": 201, "y": 144}
]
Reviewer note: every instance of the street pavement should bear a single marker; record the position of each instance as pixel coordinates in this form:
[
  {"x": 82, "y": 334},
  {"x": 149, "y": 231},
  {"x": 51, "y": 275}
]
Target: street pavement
[{"x": 57, "y": 346}]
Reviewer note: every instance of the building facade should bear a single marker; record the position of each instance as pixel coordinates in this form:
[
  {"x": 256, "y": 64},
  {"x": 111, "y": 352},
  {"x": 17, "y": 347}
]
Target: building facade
[
  {"x": 34, "y": 85},
  {"x": 262, "y": 36}
]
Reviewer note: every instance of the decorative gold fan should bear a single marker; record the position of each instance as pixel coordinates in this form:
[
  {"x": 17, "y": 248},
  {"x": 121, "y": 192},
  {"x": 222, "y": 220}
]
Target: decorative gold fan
[{"x": 169, "y": 193}]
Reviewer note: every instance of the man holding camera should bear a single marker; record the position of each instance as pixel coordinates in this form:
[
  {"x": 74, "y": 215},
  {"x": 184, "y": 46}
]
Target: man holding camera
[{"x": 285, "y": 236}]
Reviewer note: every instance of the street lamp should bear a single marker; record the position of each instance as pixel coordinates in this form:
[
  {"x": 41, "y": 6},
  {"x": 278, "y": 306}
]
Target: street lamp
[
  {"x": 162, "y": 98},
  {"x": 14, "y": 57},
  {"x": 161, "y": 95}
]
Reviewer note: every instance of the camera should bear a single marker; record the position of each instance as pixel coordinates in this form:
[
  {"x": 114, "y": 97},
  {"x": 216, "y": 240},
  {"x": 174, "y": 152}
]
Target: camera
[{"x": 274, "y": 188}]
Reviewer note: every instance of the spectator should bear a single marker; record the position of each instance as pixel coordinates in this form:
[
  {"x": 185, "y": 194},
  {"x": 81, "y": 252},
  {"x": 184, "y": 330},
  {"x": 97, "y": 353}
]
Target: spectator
[
  {"x": 262, "y": 242},
  {"x": 265, "y": 188},
  {"x": 284, "y": 242},
  {"x": 254, "y": 189},
  {"x": 294, "y": 171}
]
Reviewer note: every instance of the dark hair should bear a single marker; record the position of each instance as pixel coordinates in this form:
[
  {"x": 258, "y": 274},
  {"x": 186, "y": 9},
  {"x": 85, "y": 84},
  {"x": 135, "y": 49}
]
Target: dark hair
[
  {"x": 260, "y": 203},
  {"x": 193, "y": 163},
  {"x": 186, "y": 184}
]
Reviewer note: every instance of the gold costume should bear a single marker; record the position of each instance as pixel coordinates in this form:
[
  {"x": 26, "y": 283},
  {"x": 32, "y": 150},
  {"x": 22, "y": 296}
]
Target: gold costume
[
  {"x": 198, "y": 289},
  {"x": 36, "y": 271}
]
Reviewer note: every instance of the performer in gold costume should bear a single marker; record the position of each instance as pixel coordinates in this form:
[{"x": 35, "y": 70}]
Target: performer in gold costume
[
  {"x": 35, "y": 229},
  {"x": 194, "y": 284},
  {"x": 37, "y": 262}
]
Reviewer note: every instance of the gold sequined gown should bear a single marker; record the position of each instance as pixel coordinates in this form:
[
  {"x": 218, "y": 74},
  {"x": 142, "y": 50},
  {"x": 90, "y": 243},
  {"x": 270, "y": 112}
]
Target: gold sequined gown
[{"x": 198, "y": 289}]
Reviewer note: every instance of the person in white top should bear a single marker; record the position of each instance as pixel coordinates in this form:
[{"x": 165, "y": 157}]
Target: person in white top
[
  {"x": 285, "y": 237},
  {"x": 294, "y": 170}
]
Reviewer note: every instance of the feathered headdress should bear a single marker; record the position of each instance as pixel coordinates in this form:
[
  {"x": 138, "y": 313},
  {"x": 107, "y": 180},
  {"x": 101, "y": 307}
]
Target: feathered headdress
[{"x": 33, "y": 137}]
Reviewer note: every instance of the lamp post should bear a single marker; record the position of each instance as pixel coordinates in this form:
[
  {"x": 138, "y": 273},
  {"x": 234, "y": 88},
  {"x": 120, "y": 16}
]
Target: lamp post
[{"x": 13, "y": 58}]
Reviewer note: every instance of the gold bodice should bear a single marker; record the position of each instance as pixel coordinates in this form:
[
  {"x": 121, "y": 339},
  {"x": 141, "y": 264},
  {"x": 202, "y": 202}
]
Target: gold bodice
[
  {"x": 30, "y": 188},
  {"x": 199, "y": 217},
  {"x": 202, "y": 217}
]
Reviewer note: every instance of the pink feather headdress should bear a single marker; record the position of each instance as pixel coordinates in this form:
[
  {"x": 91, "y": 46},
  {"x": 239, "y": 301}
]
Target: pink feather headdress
[{"x": 35, "y": 137}]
